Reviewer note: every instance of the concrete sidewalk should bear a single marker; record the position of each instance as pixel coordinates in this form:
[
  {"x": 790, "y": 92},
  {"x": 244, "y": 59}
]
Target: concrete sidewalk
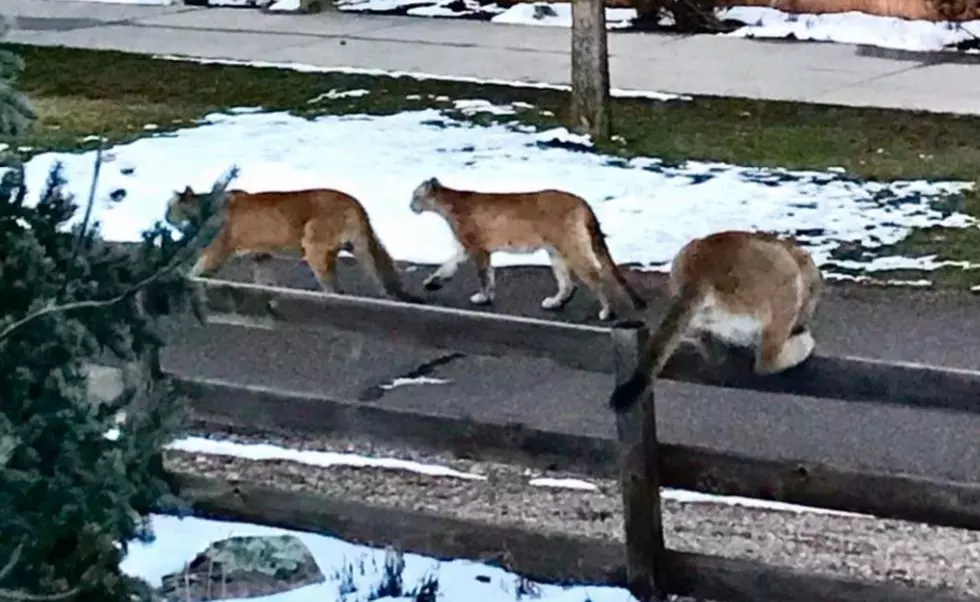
[{"x": 812, "y": 72}]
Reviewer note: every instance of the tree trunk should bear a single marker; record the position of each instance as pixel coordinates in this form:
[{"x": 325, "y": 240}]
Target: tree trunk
[{"x": 590, "y": 70}]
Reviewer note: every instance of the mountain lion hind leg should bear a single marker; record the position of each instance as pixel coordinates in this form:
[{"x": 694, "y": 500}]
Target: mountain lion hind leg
[{"x": 563, "y": 278}]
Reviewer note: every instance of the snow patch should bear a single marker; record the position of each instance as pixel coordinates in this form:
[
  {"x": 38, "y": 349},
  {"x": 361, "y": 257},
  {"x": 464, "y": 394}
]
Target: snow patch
[
  {"x": 559, "y": 15},
  {"x": 352, "y": 571},
  {"x": 850, "y": 28},
  {"x": 420, "y": 380},
  {"x": 322, "y": 459},
  {"x": 265, "y": 451},
  {"x": 285, "y": 6},
  {"x": 760, "y": 22},
  {"x": 692, "y": 497},
  {"x": 334, "y": 94},
  {"x": 647, "y": 208},
  {"x": 472, "y": 107},
  {"x": 576, "y": 484}
]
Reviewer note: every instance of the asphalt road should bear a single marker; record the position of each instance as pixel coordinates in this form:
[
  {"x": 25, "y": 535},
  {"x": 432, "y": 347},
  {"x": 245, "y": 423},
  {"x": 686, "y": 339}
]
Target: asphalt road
[{"x": 895, "y": 324}]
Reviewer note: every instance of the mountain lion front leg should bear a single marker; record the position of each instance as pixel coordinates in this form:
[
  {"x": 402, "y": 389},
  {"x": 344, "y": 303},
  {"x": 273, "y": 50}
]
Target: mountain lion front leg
[
  {"x": 211, "y": 259},
  {"x": 262, "y": 270},
  {"x": 446, "y": 271},
  {"x": 322, "y": 259}
]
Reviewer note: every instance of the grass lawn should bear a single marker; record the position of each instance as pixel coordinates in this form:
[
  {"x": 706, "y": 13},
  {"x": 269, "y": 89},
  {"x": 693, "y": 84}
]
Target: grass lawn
[{"x": 83, "y": 92}]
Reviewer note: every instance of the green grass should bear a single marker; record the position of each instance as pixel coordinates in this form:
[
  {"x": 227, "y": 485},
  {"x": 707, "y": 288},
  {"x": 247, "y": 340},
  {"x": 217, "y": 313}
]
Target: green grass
[{"x": 84, "y": 92}]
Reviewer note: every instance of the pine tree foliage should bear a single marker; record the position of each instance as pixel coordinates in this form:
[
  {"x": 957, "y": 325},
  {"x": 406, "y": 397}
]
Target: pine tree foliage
[
  {"x": 72, "y": 495},
  {"x": 16, "y": 111}
]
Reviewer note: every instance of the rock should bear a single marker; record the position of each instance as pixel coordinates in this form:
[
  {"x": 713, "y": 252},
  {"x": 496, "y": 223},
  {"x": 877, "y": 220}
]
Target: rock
[
  {"x": 544, "y": 10},
  {"x": 244, "y": 567}
]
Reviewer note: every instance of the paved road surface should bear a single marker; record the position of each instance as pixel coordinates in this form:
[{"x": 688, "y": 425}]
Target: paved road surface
[
  {"x": 900, "y": 325},
  {"x": 826, "y": 73}
]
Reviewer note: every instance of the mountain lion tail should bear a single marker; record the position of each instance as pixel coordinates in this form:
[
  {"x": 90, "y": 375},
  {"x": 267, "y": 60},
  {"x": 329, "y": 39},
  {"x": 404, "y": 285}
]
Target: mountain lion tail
[
  {"x": 659, "y": 348},
  {"x": 612, "y": 273},
  {"x": 371, "y": 254}
]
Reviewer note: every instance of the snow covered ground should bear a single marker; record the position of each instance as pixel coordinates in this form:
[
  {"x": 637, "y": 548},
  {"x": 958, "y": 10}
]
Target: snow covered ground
[
  {"x": 648, "y": 209},
  {"x": 850, "y": 28},
  {"x": 178, "y": 540},
  {"x": 551, "y": 14}
]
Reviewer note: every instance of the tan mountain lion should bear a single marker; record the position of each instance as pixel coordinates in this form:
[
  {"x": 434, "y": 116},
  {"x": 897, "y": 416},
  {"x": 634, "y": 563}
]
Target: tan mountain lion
[
  {"x": 317, "y": 222},
  {"x": 748, "y": 289},
  {"x": 523, "y": 222}
]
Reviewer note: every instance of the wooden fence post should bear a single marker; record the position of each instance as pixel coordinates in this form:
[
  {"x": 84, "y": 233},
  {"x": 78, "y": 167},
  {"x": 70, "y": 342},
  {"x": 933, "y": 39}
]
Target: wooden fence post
[
  {"x": 646, "y": 556},
  {"x": 590, "y": 70}
]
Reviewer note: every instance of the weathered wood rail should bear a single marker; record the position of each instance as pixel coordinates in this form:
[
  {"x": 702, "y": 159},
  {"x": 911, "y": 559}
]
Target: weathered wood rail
[
  {"x": 642, "y": 462},
  {"x": 549, "y": 557},
  {"x": 590, "y": 348}
]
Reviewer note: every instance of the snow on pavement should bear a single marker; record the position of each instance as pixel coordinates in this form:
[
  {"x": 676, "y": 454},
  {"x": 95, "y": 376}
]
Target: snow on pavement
[{"x": 647, "y": 208}]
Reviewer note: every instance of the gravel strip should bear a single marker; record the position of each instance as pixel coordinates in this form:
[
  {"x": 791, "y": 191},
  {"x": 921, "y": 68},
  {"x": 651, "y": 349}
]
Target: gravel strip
[{"x": 860, "y": 547}]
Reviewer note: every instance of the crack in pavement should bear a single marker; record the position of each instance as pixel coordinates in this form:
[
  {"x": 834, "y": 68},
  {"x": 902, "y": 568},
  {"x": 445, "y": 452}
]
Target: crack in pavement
[
  {"x": 376, "y": 391},
  {"x": 815, "y": 97},
  {"x": 364, "y": 35}
]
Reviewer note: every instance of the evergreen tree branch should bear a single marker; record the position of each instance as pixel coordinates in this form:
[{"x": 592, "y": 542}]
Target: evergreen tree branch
[
  {"x": 19, "y": 596},
  {"x": 91, "y": 197},
  {"x": 88, "y": 215},
  {"x": 101, "y": 493},
  {"x": 11, "y": 562},
  {"x": 207, "y": 230},
  {"x": 179, "y": 258}
]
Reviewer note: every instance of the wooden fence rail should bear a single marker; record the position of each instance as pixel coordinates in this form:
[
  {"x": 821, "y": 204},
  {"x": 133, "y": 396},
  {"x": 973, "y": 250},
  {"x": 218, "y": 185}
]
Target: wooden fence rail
[
  {"x": 549, "y": 557},
  {"x": 217, "y": 403},
  {"x": 590, "y": 348},
  {"x": 643, "y": 464}
]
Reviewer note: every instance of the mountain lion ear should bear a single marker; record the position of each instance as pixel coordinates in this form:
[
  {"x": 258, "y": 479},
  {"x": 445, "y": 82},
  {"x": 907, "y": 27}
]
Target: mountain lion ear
[
  {"x": 187, "y": 190},
  {"x": 433, "y": 182}
]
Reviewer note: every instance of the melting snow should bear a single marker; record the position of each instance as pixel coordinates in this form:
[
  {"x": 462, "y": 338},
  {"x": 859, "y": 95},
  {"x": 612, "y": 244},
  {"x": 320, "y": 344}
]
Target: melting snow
[{"x": 647, "y": 208}]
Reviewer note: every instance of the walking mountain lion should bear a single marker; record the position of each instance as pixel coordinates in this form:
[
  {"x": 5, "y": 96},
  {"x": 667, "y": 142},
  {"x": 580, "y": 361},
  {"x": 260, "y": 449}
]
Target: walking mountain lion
[
  {"x": 523, "y": 222},
  {"x": 748, "y": 289},
  {"x": 317, "y": 222}
]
